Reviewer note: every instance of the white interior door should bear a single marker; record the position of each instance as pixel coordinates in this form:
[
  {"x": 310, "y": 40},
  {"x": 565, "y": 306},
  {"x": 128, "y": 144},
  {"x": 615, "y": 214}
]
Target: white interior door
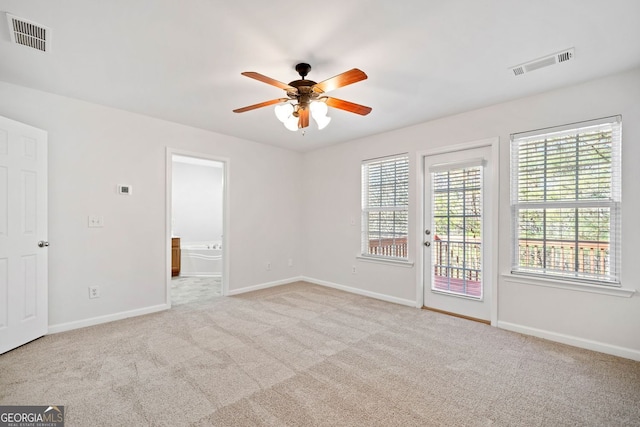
[
  {"x": 457, "y": 241},
  {"x": 23, "y": 234}
]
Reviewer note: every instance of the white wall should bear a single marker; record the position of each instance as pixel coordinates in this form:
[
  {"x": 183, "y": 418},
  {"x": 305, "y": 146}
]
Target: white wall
[
  {"x": 287, "y": 205},
  {"x": 332, "y": 199},
  {"x": 92, "y": 149},
  {"x": 197, "y": 202}
]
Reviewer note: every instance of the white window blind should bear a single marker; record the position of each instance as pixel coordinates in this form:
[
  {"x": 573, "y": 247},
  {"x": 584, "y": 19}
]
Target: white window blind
[
  {"x": 565, "y": 201},
  {"x": 385, "y": 207}
]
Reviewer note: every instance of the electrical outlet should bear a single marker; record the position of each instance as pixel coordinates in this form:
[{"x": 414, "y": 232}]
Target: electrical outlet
[
  {"x": 96, "y": 221},
  {"x": 267, "y": 265},
  {"x": 353, "y": 269},
  {"x": 94, "y": 292}
]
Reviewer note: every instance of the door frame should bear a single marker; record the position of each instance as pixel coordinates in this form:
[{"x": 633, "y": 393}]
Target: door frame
[
  {"x": 492, "y": 223},
  {"x": 170, "y": 152}
]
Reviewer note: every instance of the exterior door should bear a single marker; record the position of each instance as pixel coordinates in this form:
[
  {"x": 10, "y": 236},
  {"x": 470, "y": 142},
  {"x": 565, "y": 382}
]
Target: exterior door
[
  {"x": 456, "y": 238},
  {"x": 23, "y": 234}
]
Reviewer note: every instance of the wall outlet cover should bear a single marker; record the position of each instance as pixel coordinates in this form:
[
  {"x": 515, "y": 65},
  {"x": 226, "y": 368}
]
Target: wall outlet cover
[
  {"x": 96, "y": 221},
  {"x": 94, "y": 292}
]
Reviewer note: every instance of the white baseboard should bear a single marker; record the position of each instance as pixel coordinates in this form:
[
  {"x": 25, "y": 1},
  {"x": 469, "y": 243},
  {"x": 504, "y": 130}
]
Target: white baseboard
[
  {"x": 614, "y": 350},
  {"x": 383, "y": 297},
  {"x": 263, "y": 286},
  {"x": 349, "y": 289},
  {"x": 62, "y": 327}
]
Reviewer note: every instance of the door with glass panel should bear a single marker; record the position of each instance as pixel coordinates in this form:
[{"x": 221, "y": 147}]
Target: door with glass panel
[{"x": 456, "y": 239}]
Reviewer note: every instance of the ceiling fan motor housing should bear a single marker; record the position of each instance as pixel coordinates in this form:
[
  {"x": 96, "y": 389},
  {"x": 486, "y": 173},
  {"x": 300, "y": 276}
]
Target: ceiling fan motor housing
[
  {"x": 303, "y": 69},
  {"x": 304, "y": 92}
]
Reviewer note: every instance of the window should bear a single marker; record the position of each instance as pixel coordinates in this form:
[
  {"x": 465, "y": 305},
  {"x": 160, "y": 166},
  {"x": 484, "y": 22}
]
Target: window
[
  {"x": 565, "y": 201},
  {"x": 457, "y": 229},
  {"x": 385, "y": 207}
]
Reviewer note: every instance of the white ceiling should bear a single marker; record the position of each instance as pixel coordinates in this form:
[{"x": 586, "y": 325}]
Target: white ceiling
[{"x": 181, "y": 60}]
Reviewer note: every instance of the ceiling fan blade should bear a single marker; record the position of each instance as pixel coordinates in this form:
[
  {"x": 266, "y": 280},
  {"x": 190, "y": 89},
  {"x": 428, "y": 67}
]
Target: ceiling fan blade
[
  {"x": 348, "y": 106},
  {"x": 303, "y": 120},
  {"x": 348, "y": 77},
  {"x": 268, "y": 80},
  {"x": 260, "y": 105}
]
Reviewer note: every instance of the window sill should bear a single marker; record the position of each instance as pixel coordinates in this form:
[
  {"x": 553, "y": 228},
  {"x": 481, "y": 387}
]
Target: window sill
[
  {"x": 560, "y": 284},
  {"x": 379, "y": 260}
]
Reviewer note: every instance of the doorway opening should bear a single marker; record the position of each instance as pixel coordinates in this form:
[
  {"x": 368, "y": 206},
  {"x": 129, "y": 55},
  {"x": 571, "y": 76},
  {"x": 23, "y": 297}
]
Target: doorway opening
[{"x": 196, "y": 222}]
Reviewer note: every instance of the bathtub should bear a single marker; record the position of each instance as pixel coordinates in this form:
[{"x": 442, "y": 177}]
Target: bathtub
[{"x": 201, "y": 259}]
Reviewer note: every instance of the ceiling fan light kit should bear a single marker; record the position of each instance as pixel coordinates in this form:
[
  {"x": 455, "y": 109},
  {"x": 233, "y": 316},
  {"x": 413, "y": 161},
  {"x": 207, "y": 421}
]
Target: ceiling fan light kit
[
  {"x": 306, "y": 98},
  {"x": 289, "y": 114}
]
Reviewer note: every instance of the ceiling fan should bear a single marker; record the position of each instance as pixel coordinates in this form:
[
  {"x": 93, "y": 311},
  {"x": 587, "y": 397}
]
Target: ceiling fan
[{"x": 306, "y": 97}]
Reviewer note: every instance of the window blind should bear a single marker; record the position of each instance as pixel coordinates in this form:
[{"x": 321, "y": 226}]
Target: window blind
[
  {"x": 385, "y": 206},
  {"x": 565, "y": 201}
]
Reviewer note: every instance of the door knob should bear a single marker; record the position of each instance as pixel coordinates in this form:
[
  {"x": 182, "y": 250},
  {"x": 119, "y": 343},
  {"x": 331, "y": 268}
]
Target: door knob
[
  {"x": 42, "y": 244},
  {"x": 427, "y": 244}
]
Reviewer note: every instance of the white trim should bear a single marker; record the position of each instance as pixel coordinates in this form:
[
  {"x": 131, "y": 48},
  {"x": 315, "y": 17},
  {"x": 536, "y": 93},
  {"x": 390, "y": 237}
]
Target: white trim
[
  {"x": 386, "y": 158},
  {"x": 380, "y": 260},
  {"x": 492, "y": 222},
  {"x": 523, "y": 151},
  {"x": 62, "y": 327},
  {"x": 168, "y": 182},
  {"x": 615, "y": 350},
  {"x": 264, "y": 285},
  {"x": 226, "y": 217},
  {"x": 366, "y": 190},
  {"x": 552, "y": 130},
  {"x": 560, "y": 284},
  {"x": 487, "y": 142},
  {"x": 444, "y": 167},
  {"x": 357, "y": 291}
]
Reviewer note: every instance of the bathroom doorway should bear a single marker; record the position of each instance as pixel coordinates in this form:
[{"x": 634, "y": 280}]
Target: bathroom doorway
[{"x": 196, "y": 194}]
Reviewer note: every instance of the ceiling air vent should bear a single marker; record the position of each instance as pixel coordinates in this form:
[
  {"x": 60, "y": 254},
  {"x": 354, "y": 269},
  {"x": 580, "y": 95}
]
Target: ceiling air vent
[
  {"x": 28, "y": 33},
  {"x": 553, "y": 59}
]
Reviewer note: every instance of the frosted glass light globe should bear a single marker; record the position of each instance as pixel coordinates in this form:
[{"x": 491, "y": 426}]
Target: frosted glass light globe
[
  {"x": 283, "y": 111},
  {"x": 291, "y": 123},
  {"x": 318, "y": 109}
]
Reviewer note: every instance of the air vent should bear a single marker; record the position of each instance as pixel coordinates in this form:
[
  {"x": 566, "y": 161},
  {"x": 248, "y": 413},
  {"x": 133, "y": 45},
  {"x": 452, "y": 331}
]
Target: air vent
[
  {"x": 28, "y": 33},
  {"x": 547, "y": 61},
  {"x": 518, "y": 70}
]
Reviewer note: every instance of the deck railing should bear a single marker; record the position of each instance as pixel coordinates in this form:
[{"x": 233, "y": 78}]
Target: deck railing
[
  {"x": 393, "y": 247},
  {"x": 449, "y": 257},
  {"x": 592, "y": 257}
]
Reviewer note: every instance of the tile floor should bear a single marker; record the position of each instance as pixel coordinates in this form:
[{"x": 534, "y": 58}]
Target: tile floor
[{"x": 185, "y": 290}]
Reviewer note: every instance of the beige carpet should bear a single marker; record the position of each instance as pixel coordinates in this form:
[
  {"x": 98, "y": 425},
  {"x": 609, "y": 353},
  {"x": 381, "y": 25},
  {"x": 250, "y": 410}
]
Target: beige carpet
[{"x": 304, "y": 355}]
